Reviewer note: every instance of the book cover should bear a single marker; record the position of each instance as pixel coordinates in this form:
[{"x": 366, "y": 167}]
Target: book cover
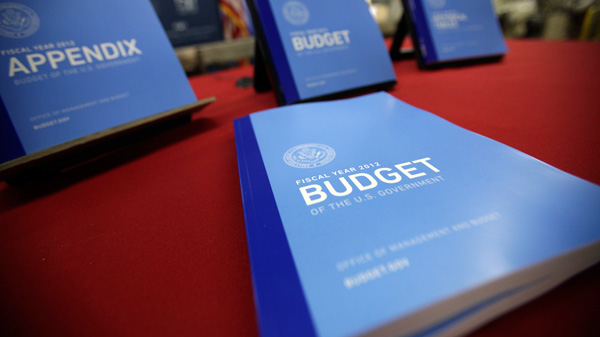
[
  {"x": 369, "y": 215},
  {"x": 72, "y": 68},
  {"x": 455, "y": 30},
  {"x": 319, "y": 48}
]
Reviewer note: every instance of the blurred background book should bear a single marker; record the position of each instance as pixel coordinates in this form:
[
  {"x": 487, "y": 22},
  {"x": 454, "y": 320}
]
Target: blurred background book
[{"x": 211, "y": 35}]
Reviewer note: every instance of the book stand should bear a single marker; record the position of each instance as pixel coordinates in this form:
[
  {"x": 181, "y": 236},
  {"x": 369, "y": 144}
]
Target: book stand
[
  {"x": 62, "y": 156},
  {"x": 402, "y": 31}
]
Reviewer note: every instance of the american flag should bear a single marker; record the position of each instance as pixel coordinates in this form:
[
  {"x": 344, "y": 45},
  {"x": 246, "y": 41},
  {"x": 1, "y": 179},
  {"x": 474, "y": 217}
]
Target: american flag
[{"x": 236, "y": 19}]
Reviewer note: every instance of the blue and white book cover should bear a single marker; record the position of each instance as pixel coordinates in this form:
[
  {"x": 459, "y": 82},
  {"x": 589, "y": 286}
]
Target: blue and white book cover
[
  {"x": 449, "y": 30},
  {"x": 71, "y": 68},
  {"x": 362, "y": 214},
  {"x": 319, "y": 48}
]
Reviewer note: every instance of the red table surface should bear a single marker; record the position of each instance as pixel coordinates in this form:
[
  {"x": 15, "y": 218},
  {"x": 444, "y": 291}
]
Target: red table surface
[{"x": 150, "y": 240}]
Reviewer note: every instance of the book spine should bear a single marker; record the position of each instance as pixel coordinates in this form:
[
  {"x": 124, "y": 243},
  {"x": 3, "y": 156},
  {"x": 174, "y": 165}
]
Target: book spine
[
  {"x": 425, "y": 43},
  {"x": 10, "y": 145},
  {"x": 273, "y": 50},
  {"x": 281, "y": 306}
]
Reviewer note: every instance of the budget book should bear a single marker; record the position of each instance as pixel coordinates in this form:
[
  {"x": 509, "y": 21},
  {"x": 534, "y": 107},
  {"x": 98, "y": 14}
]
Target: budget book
[
  {"x": 368, "y": 216},
  {"x": 315, "y": 49},
  {"x": 456, "y": 31}
]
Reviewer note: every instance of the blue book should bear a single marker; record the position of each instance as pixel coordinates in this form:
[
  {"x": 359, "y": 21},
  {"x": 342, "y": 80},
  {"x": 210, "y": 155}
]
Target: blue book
[
  {"x": 190, "y": 22},
  {"x": 370, "y": 216},
  {"x": 318, "y": 49},
  {"x": 454, "y": 30},
  {"x": 73, "y": 68}
]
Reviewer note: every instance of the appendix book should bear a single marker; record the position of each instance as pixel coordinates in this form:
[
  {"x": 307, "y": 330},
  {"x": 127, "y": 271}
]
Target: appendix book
[
  {"x": 368, "y": 216},
  {"x": 74, "y": 68},
  {"x": 315, "y": 49}
]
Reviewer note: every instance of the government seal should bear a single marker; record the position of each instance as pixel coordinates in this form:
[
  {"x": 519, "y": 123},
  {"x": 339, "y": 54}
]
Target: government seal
[
  {"x": 295, "y": 13},
  {"x": 18, "y": 21},
  {"x": 309, "y": 155}
]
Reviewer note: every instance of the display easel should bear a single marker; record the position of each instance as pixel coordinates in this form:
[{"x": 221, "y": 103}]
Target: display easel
[
  {"x": 262, "y": 82},
  {"x": 402, "y": 31},
  {"x": 59, "y": 157}
]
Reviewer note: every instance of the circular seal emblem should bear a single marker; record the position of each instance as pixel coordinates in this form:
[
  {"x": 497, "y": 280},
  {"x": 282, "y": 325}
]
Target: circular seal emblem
[
  {"x": 309, "y": 155},
  {"x": 295, "y": 13},
  {"x": 18, "y": 21}
]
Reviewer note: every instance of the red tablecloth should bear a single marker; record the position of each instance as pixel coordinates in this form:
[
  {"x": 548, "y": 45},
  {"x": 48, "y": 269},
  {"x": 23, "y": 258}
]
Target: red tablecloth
[{"x": 150, "y": 241}]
